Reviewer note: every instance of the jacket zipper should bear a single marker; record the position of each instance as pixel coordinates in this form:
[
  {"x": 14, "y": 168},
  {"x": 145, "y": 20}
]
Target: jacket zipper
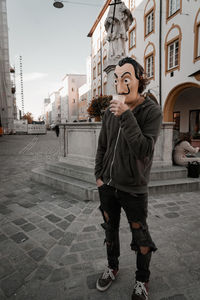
[{"x": 114, "y": 156}]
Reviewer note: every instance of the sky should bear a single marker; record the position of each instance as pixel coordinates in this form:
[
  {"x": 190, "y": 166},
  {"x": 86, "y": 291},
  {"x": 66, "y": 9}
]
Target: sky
[{"x": 52, "y": 43}]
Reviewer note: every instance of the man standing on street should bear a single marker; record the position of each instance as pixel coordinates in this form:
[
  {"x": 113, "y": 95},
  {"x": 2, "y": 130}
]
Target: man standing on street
[{"x": 123, "y": 162}]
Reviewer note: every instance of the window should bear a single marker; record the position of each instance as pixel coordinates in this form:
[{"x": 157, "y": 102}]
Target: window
[
  {"x": 104, "y": 60},
  {"x": 176, "y": 120},
  {"x": 99, "y": 90},
  {"x": 94, "y": 93},
  {"x": 132, "y": 38},
  {"x": 104, "y": 88},
  {"x": 149, "y": 20},
  {"x": 94, "y": 73},
  {"x": 198, "y": 40},
  {"x": 173, "y": 54},
  {"x": 174, "y": 6},
  {"x": 99, "y": 68},
  {"x": 104, "y": 37},
  {"x": 195, "y": 122},
  {"x": 74, "y": 100},
  {"x": 149, "y": 66},
  {"x": 197, "y": 37}
]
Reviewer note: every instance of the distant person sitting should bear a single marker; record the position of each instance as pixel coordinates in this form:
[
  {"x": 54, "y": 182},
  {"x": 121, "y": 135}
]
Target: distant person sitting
[
  {"x": 57, "y": 130},
  {"x": 183, "y": 152}
]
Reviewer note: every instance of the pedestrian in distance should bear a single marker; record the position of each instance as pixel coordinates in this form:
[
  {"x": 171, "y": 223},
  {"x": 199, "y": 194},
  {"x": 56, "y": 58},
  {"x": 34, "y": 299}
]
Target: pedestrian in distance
[
  {"x": 57, "y": 130},
  {"x": 130, "y": 128}
]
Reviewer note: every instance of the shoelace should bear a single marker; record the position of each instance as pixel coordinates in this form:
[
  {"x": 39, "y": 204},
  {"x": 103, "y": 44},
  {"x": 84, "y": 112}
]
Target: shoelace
[
  {"x": 140, "y": 289},
  {"x": 108, "y": 272}
]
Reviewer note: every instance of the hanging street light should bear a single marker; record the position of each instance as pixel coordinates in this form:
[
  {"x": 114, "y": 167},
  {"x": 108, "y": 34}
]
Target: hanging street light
[{"x": 58, "y": 4}]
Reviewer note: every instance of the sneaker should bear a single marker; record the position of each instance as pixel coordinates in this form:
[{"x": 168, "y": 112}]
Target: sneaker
[
  {"x": 140, "y": 291},
  {"x": 104, "y": 282}
]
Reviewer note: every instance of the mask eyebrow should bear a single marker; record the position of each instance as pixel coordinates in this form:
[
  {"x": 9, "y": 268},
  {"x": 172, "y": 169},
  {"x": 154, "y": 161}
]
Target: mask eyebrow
[
  {"x": 125, "y": 74},
  {"x": 115, "y": 75}
]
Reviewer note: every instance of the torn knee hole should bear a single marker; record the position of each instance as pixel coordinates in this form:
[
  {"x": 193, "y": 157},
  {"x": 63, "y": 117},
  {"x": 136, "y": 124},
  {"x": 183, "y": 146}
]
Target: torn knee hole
[
  {"x": 106, "y": 216},
  {"x": 135, "y": 225},
  {"x": 144, "y": 250}
]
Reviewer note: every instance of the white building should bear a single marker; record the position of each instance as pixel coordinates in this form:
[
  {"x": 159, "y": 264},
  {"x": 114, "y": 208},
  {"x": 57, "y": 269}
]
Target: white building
[
  {"x": 69, "y": 93},
  {"x": 84, "y": 92},
  {"x": 166, "y": 41},
  {"x": 6, "y": 96}
]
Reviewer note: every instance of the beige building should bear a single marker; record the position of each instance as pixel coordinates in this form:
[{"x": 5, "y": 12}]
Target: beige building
[
  {"x": 166, "y": 41},
  {"x": 6, "y": 91}
]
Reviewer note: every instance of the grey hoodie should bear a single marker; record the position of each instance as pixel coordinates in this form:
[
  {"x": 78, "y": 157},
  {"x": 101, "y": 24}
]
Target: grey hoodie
[{"x": 126, "y": 146}]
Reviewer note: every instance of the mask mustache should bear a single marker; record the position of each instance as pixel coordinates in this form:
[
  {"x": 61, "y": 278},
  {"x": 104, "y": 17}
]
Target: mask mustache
[{"x": 125, "y": 93}]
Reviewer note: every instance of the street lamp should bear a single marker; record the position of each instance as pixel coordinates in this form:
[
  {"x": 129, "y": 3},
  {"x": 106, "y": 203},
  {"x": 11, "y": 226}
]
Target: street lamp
[{"x": 58, "y": 4}]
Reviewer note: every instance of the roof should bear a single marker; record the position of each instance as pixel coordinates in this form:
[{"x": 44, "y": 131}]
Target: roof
[{"x": 106, "y": 4}]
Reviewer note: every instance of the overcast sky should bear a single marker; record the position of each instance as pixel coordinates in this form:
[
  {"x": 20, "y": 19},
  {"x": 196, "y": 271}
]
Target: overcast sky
[{"x": 52, "y": 43}]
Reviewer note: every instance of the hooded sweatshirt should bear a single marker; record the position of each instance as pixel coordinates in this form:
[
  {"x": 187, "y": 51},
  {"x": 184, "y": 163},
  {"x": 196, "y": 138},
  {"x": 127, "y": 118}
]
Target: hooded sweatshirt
[{"x": 126, "y": 146}]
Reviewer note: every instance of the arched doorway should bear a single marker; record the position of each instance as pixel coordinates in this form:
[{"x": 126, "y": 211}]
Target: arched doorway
[
  {"x": 172, "y": 98},
  {"x": 182, "y": 106}
]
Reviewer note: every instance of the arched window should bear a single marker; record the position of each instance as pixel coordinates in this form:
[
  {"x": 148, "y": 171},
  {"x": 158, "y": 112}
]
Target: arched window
[
  {"x": 149, "y": 61},
  {"x": 173, "y": 49},
  {"x": 149, "y": 18},
  {"x": 105, "y": 85},
  {"x": 173, "y": 8},
  {"x": 197, "y": 37},
  {"x": 132, "y": 35}
]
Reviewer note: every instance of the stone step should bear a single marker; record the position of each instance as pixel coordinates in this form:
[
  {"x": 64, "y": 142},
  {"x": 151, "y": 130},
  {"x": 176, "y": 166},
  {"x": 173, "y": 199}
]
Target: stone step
[
  {"x": 87, "y": 173},
  {"x": 87, "y": 191}
]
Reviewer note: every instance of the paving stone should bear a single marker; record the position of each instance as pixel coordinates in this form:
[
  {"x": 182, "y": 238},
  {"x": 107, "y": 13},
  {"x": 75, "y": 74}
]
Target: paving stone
[
  {"x": 171, "y": 215},
  {"x": 63, "y": 225},
  {"x": 20, "y": 221},
  {"x": 37, "y": 254},
  {"x": 35, "y": 219},
  {"x": 70, "y": 218},
  {"x": 11, "y": 284},
  {"x": 59, "y": 274},
  {"x": 85, "y": 236},
  {"x": 19, "y": 237},
  {"x": 56, "y": 234},
  {"x": 65, "y": 205},
  {"x": 173, "y": 208},
  {"x": 28, "y": 227},
  {"x": 45, "y": 225},
  {"x": 79, "y": 247},
  {"x": 9, "y": 229},
  {"x": 5, "y": 267},
  {"x": 10, "y": 195},
  {"x": 26, "y": 267},
  {"x": 175, "y": 297},
  {"x": 91, "y": 280},
  {"x": 69, "y": 259},
  {"x": 87, "y": 211},
  {"x": 3, "y": 237},
  {"x": 27, "y": 204},
  {"x": 56, "y": 253},
  {"x": 67, "y": 239},
  {"x": 89, "y": 228},
  {"x": 53, "y": 218},
  {"x": 43, "y": 272},
  {"x": 5, "y": 211}
]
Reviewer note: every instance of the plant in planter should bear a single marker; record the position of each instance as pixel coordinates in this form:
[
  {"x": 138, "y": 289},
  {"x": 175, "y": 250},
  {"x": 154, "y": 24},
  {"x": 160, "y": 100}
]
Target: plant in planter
[{"x": 98, "y": 106}]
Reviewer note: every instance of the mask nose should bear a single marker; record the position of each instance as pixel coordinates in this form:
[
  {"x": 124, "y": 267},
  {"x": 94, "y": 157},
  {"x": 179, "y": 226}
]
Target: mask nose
[{"x": 121, "y": 88}]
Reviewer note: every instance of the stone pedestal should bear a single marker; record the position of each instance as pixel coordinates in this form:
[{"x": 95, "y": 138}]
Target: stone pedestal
[
  {"x": 109, "y": 69},
  {"x": 78, "y": 144}
]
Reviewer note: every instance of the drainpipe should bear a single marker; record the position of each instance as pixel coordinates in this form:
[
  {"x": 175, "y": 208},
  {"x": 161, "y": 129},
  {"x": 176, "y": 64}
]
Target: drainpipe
[{"x": 160, "y": 56}]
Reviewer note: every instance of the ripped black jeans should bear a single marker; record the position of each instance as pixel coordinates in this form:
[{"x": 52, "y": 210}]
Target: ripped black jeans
[{"x": 135, "y": 207}]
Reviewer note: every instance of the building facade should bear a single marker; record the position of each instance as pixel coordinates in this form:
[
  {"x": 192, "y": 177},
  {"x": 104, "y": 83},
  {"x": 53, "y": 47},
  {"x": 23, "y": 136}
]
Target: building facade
[
  {"x": 164, "y": 38},
  {"x": 6, "y": 95}
]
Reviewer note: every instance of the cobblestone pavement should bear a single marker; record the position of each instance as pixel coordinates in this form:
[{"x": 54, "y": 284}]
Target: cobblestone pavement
[{"x": 51, "y": 246}]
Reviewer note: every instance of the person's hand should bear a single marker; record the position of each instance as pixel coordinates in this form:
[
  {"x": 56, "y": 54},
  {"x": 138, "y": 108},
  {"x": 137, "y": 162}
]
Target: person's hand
[
  {"x": 99, "y": 182},
  {"x": 117, "y": 107}
]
